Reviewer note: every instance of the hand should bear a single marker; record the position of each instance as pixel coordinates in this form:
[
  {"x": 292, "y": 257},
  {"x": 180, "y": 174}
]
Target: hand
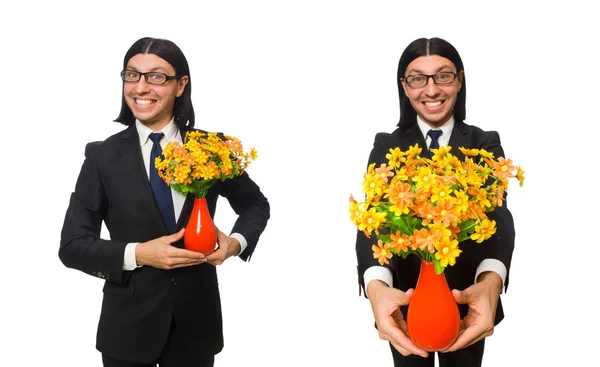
[
  {"x": 385, "y": 302},
  {"x": 482, "y": 298},
  {"x": 227, "y": 247},
  {"x": 159, "y": 253}
]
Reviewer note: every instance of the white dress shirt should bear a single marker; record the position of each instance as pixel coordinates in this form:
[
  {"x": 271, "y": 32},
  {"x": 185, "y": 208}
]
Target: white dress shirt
[
  {"x": 384, "y": 274},
  {"x": 171, "y": 132}
]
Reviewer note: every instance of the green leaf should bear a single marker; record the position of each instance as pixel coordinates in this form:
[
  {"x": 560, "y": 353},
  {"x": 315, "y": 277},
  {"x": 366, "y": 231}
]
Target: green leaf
[
  {"x": 439, "y": 269},
  {"x": 401, "y": 225},
  {"x": 467, "y": 223},
  {"x": 462, "y": 236},
  {"x": 385, "y": 238}
]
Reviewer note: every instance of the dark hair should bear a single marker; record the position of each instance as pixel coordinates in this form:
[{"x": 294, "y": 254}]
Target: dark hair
[
  {"x": 426, "y": 47},
  {"x": 183, "y": 111}
]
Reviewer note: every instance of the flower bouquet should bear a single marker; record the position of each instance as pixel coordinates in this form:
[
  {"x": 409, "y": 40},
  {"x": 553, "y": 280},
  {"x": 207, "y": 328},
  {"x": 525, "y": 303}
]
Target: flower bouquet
[
  {"x": 193, "y": 168},
  {"x": 426, "y": 207}
]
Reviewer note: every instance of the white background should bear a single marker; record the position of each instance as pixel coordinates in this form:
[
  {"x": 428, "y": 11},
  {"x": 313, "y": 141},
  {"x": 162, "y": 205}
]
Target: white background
[{"x": 308, "y": 83}]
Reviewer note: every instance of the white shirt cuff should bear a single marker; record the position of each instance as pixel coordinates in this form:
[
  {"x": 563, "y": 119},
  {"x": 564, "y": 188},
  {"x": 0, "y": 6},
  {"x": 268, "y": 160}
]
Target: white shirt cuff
[
  {"x": 492, "y": 265},
  {"x": 242, "y": 240},
  {"x": 378, "y": 273},
  {"x": 129, "y": 261}
]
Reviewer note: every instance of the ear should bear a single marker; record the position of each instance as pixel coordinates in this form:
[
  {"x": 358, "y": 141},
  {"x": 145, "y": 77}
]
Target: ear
[
  {"x": 181, "y": 84},
  {"x": 404, "y": 86},
  {"x": 460, "y": 79}
]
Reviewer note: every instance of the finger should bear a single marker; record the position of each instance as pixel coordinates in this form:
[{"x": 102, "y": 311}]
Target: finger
[
  {"x": 469, "y": 336},
  {"x": 461, "y": 297},
  {"x": 218, "y": 256},
  {"x": 395, "y": 336},
  {"x": 176, "y": 236},
  {"x": 405, "y": 352},
  {"x": 221, "y": 238},
  {"x": 407, "y": 297},
  {"x": 180, "y": 253}
]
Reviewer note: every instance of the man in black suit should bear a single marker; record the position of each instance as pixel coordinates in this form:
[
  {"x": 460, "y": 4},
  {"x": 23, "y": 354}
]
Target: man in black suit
[
  {"x": 432, "y": 88},
  {"x": 161, "y": 302}
]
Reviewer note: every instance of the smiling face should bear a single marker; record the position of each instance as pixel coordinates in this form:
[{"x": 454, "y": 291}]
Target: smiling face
[
  {"x": 152, "y": 104},
  {"x": 434, "y": 103}
]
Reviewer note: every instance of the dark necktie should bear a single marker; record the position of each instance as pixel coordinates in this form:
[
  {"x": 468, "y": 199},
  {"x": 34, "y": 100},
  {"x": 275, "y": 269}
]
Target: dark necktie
[
  {"x": 434, "y": 135},
  {"x": 162, "y": 191}
]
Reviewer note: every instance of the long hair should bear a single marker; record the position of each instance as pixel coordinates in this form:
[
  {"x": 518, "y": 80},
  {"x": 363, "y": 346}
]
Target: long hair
[
  {"x": 426, "y": 47},
  {"x": 183, "y": 111}
]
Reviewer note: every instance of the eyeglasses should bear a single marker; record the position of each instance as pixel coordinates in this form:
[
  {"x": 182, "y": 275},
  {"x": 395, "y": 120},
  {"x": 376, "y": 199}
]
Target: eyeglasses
[
  {"x": 421, "y": 80},
  {"x": 152, "y": 77}
]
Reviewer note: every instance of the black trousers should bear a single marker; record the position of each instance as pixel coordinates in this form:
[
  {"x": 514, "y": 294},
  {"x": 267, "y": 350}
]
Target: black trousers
[
  {"x": 172, "y": 355},
  {"x": 471, "y": 356}
]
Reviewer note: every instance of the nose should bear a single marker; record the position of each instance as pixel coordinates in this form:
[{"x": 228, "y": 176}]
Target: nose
[
  {"x": 142, "y": 86},
  {"x": 431, "y": 89}
]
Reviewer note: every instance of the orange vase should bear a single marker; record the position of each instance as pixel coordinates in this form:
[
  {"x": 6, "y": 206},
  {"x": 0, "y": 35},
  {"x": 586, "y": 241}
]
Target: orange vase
[
  {"x": 433, "y": 318},
  {"x": 200, "y": 234}
]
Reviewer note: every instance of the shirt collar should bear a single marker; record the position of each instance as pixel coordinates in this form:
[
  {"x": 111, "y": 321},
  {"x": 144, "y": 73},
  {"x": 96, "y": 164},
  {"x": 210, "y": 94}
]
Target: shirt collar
[
  {"x": 170, "y": 131},
  {"x": 446, "y": 128}
]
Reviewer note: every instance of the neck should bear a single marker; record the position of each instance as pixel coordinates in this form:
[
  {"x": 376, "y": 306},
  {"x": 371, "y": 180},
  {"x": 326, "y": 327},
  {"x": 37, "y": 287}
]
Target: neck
[{"x": 156, "y": 125}]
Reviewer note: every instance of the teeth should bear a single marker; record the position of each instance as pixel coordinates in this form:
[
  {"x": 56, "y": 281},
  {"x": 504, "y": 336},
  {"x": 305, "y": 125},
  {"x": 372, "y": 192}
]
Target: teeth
[
  {"x": 144, "y": 102},
  {"x": 433, "y": 104}
]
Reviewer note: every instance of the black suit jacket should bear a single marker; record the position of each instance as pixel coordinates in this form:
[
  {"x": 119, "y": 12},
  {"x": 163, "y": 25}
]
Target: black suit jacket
[
  {"x": 460, "y": 276},
  {"x": 138, "y": 305}
]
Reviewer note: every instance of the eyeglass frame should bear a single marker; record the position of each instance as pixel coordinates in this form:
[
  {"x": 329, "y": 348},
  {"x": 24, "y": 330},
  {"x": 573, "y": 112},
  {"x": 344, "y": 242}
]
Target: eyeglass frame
[
  {"x": 403, "y": 79},
  {"x": 168, "y": 77}
]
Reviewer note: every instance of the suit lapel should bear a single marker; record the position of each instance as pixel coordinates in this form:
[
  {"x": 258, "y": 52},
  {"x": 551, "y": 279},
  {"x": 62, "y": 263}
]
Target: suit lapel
[
  {"x": 460, "y": 138},
  {"x": 412, "y": 135},
  {"x": 129, "y": 147}
]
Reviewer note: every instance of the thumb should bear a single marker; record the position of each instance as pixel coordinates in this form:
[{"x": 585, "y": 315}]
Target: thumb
[
  {"x": 220, "y": 235},
  {"x": 461, "y": 297},
  {"x": 407, "y": 297},
  {"x": 403, "y": 298},
  {"x": 176, "y": 236}
]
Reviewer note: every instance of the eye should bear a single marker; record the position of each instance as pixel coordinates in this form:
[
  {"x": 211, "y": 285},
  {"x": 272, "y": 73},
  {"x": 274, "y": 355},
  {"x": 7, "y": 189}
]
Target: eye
[
  {"x": 443, "y": 77},
  {"x": 157, "y": 77},
  {"x": 132, "y": 74},
  {"x": 416, "y": 78}
]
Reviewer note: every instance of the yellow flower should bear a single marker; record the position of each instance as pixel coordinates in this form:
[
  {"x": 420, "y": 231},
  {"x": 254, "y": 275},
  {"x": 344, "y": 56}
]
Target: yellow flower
[
  {"x": 428, "y": 206},
  {"x": 395, "y": 157},
  {"x": 447, "y": 252},
  {"x": 484, "y": 231},
  {"x": 469, "y": 152},
  {"x": 355, "y": 211},
  {"x": 203, "y": 157},
  {"x": 441, "y": 192},
  {"x": 485, "y": 154},
  {"x": 520, "y": 175},
  {"x": 181, "y": 174},
  {"x": 424, "y": 178},
  {"x": 373, "y": 184},
  {"x": 371, "y": 220}
]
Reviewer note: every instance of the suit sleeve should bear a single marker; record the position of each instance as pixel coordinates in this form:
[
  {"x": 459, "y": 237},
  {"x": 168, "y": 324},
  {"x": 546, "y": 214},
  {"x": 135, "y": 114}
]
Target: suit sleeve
[
  {"x": 364, "y": 244},
  {"x": 81, "y": 247},
  {"x": 251, "y": 206},
  {"x": 501, "y": 245}
]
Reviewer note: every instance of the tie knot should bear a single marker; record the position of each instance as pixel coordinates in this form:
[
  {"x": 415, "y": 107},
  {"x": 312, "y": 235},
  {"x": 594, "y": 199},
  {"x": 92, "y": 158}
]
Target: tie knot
[
  {"x": 434, "y": 134},
  {"x": 155, "y": 137}
]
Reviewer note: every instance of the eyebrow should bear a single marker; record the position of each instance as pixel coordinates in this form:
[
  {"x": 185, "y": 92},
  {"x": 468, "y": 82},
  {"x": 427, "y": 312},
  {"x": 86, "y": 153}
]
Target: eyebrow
[
  {"x": 417, "y": 71},
  {"x": 154, "y": 69}
]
